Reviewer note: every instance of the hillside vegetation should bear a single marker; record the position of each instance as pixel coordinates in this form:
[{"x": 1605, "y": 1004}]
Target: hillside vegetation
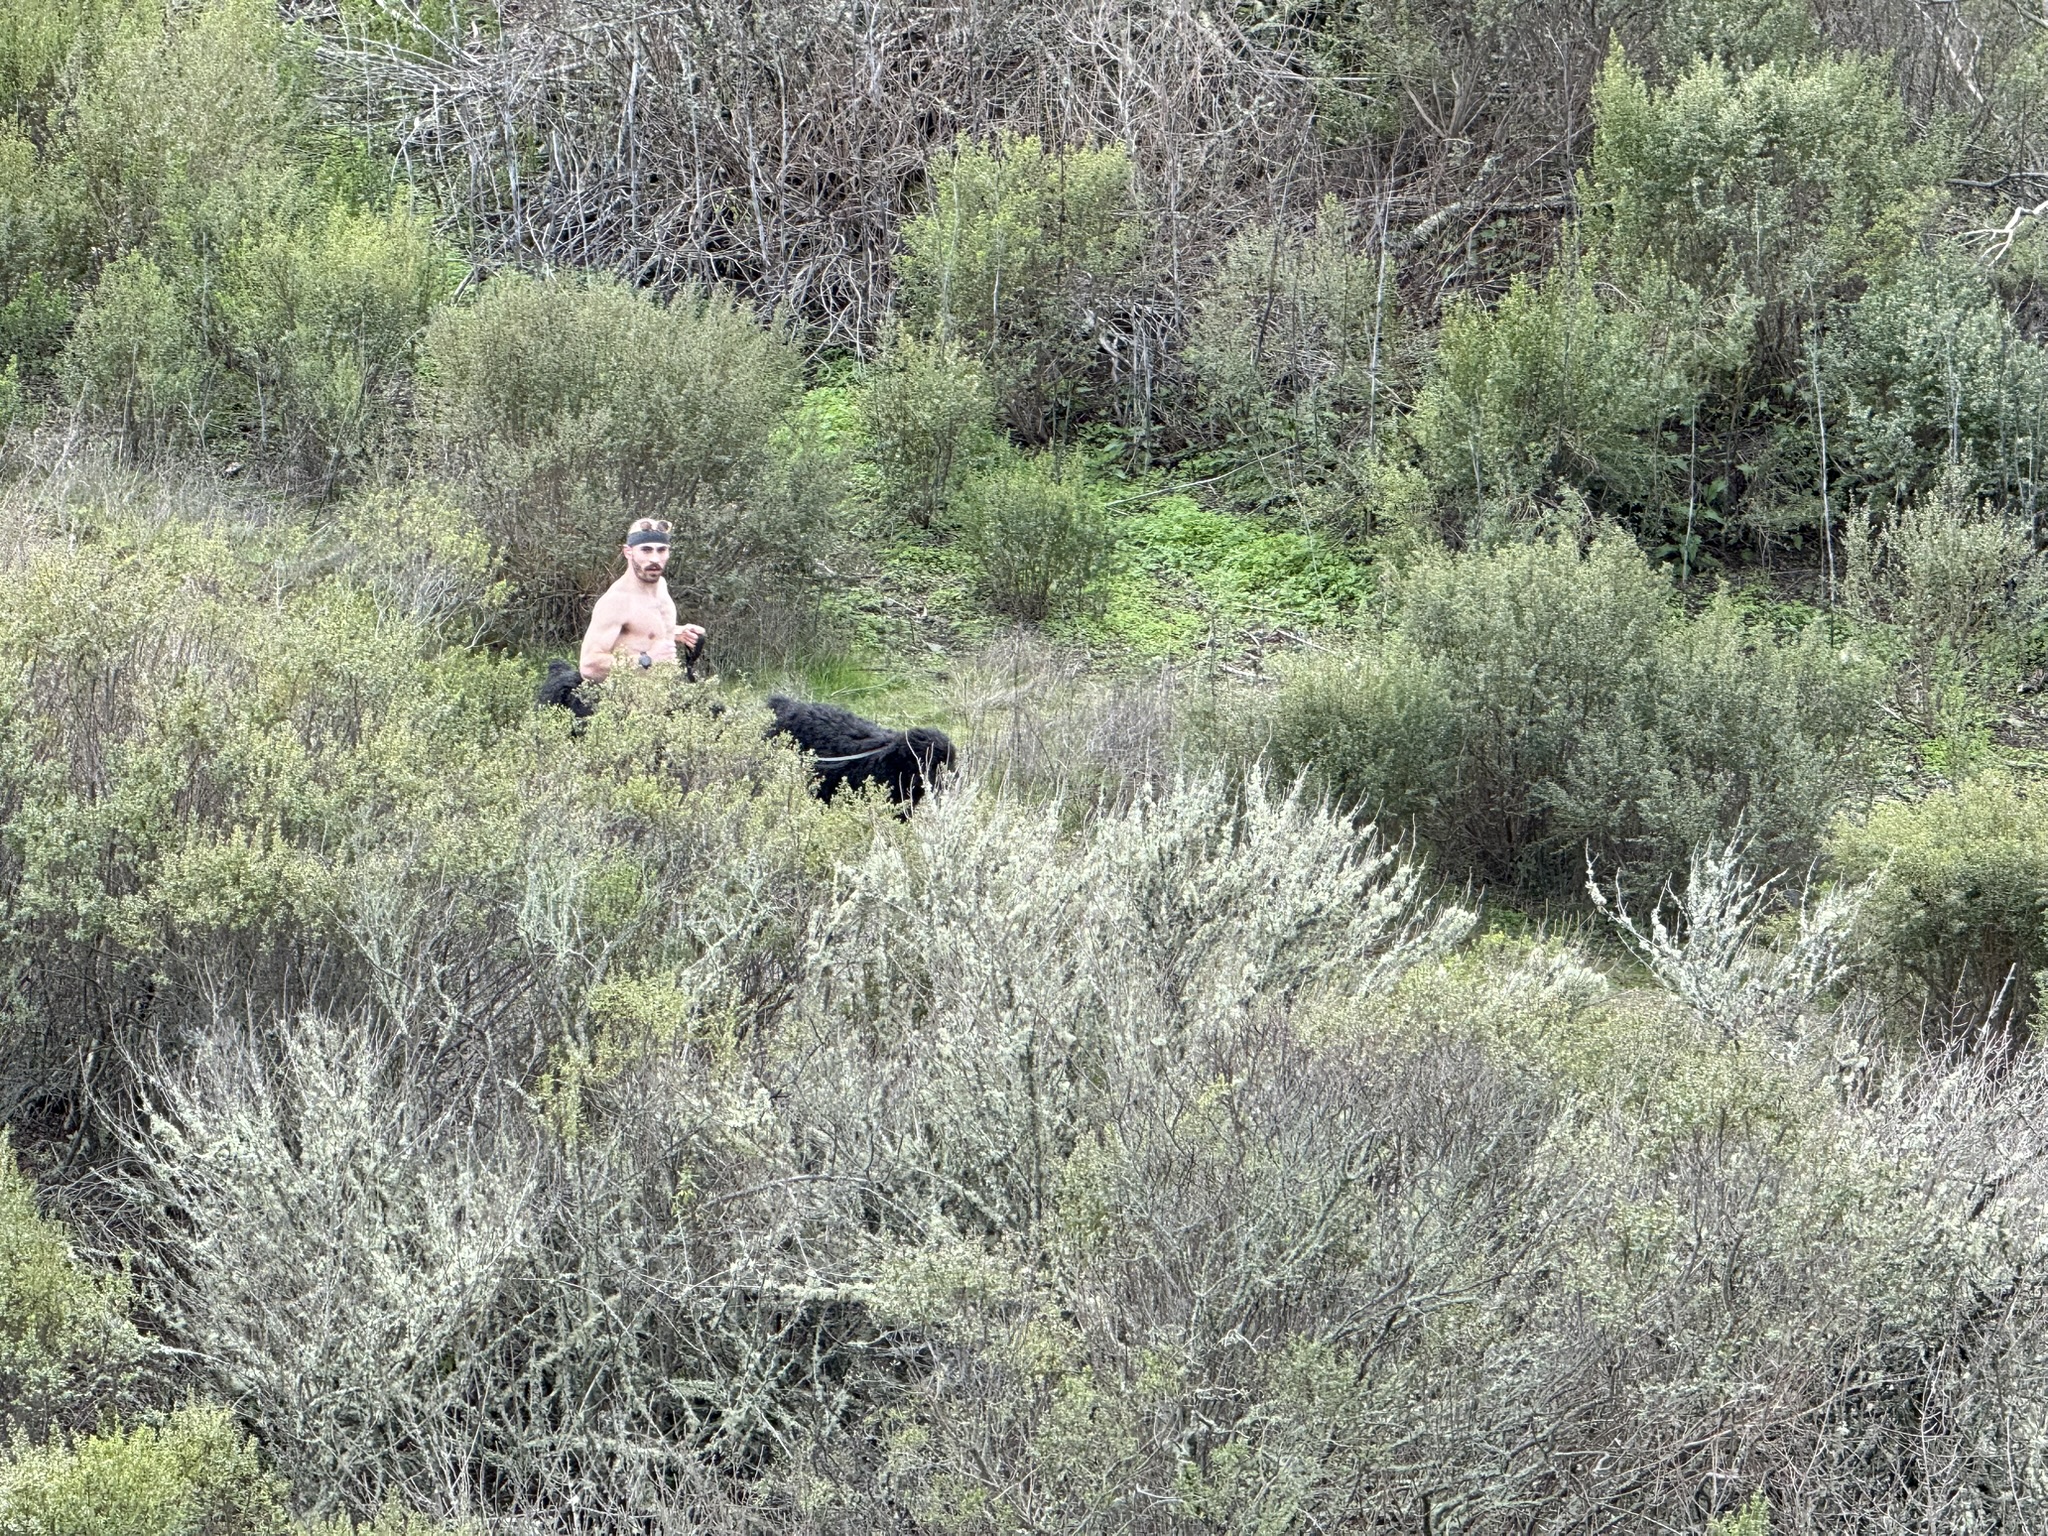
[{"x": 1483, "y": 966}]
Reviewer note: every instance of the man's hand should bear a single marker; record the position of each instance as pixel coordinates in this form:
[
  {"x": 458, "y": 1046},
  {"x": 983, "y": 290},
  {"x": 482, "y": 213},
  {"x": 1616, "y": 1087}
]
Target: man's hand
[{"x": 687, "y": 636}]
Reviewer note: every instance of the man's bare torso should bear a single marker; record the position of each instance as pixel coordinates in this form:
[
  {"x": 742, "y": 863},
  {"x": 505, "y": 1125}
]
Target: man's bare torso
[
  {"x": 633, "y": 616},
  {"x": 647, "y": 617}
]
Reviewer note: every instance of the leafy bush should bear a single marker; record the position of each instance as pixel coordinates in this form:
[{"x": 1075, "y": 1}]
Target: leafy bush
[
  {"x": 1742, "y": 33},
  {"x": 67, "y": 1352},
  {"x": 1297, "y": 346},
  {"x": 1040, "y": 545},
  {"x": 136, "y": 356},
  {"x": 42, "y": 251},
  {"x": 279, "y": 303},
  {"x": 574, "y": 408},
  {"x": 1931, "y": 379},
  {"x": 14, "y": 407},
  {"x": 242, "y": 86},
  {"x": 1229, "y": 1160},
  {"x": 192, "y": 1474},
  {"x": 1957, "y": 926},
  {"x": 1753, "y": 1519},
  {"x": 1097, "y": 1126},
  {"x": 1958, "y": 583},
  {"x": 1739, "y": 206},
  {"x": 728, "y": 1232},
  {"x": 927, "y": 412},
  {"x": 196, "y": 1474},
  {"x": 320, "y": 315},
  {"x": 302, "y": 335},
  {"x": 1527, "y": 706},
  {"x": 1552, "y": 386},
  {"x": 38, "y": 38},
  {"x": 259, "y": 748},
  {"x": 598, "y": 1131},
  {"x": 1019, "y": 258},
  {"x": 423, "y": 559},
  {"x": 1776, "y": 182}
]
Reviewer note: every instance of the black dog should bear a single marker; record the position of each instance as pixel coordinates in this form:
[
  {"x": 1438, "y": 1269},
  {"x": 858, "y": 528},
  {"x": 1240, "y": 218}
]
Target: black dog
[
  {"x": 562, "y": 689},
  {"x": 849, "y": 751}
]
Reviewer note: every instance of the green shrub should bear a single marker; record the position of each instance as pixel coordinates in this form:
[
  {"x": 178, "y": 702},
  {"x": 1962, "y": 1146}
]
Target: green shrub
[
  {"x": 1777, "y": 182},
  {"x": 67, "y": 1352},
  {"x": 1952, "y": 574},
  {"x": 1753, "y": 1519},
  {"x": 1929, "y": 378},
  {"x": 42, "y": 252},
  {"x": 558, "y": 1127},
  {"x": 39, "y": 39},
  {"x": 2013, "y": 129},
  {"x": 1018, "y": 258},
  {"x": 241, "y": 84},
  {"x": 14, "y": 407},
  {"x": 1045, "y": 968},
  {"x": 1957, "y": 923},
  {"x": 1742, "y": 33},
  {"x": 1373, "y": 727},
  {"x": 423, "y": 560},
  {"x": 1553, "y": 386},
  {"x": 196, "y": 1474},
  {"x": 35, "y": 38},
  {"x": 574, "y": 408},
  {"x": 1531, "y": 706},
  {"x": 1740, "y": 204},
  {"x": 928, "y": 412},
  {"x": 136, "y": 356},
  {"x": 226, "y": 745},
  {"x": 1040, "y": 545},
  {"x": 301, "y": 297},
  {"x": 319, "y": 316},
  {"x": 1296, "y": 347}
]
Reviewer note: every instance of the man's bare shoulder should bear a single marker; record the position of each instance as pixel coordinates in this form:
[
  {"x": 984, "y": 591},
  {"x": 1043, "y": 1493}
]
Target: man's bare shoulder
[{"x": 615, "y": 599}]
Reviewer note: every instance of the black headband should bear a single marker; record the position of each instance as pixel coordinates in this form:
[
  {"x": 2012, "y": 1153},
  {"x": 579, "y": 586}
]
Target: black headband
[{"x": 646, "y": 536}]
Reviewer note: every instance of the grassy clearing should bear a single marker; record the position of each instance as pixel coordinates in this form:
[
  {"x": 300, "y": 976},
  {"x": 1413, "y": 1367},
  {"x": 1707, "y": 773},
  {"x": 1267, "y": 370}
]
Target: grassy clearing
[{"x": 1195, "y": 577}]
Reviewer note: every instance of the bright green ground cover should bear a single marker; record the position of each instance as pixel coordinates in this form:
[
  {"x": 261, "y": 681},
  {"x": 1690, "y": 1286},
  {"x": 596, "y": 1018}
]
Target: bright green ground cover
[
  {"x": 1188, "y": 577},
  {"x": 1193, "y": 575}
]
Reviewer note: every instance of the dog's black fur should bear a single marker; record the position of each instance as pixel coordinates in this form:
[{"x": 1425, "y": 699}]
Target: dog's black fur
[
  {"x": 561, "y": 688},
  {"x": 852, "y": 752}
]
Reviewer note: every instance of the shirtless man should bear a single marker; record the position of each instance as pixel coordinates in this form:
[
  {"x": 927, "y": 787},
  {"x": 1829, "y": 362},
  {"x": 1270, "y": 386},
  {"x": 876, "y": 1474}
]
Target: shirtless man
[{"x": 637, "y": 617}]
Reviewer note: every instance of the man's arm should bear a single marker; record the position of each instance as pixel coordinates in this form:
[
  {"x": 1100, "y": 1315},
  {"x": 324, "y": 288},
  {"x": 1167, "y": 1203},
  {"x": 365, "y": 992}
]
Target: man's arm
[{"x": 601, "y": 639}]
